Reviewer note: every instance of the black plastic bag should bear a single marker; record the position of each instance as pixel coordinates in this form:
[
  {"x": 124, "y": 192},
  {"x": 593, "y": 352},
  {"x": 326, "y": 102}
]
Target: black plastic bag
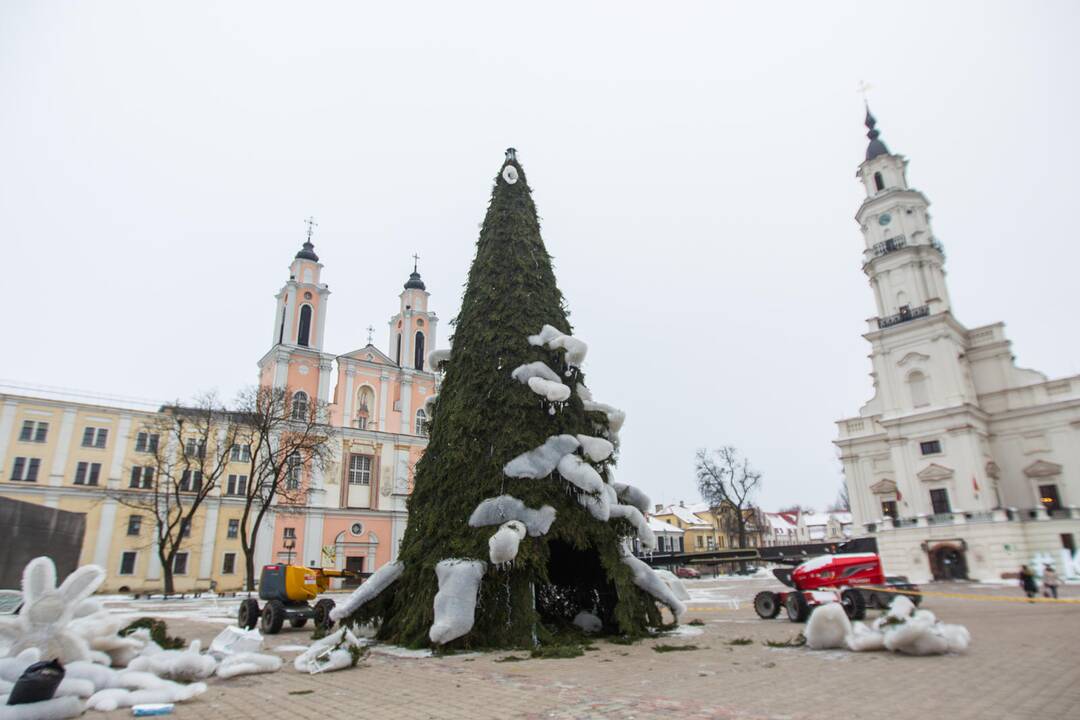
[{"x": 37, "y": 683}]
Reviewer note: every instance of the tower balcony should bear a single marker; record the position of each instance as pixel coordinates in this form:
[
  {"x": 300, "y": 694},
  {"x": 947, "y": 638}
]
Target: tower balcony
[
  {"x": 906, "y": 314},
  {"x": 888, "y": 246}
]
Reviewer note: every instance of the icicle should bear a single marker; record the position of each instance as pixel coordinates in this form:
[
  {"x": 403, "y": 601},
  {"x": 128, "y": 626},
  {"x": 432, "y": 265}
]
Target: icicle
[
  {"x": 540, "y": 462},
  {"x": 497, "y": 510},
  {"x": 455, "y": 603}
]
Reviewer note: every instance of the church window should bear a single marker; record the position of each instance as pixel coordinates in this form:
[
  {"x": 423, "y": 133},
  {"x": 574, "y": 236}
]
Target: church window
[
  {"x": 295, "y": 468},
  {"x": 879, "y": 182},
  {"x": 299, "y": 405},
  {"x": 939, "y": 499},
  {"x": 418, "y": 356},
  {"x": 930, "y": 447},
  {"x": 360, "y": 470},
  {"x": 303, "y": 334},
  {"x": 1048, "y": 496},
  {"x": 421, "y": 423},
  {"x": 397, "y": 357},
  {"x": 888, "y": 509},
  {"x": 917, "y": 384}
]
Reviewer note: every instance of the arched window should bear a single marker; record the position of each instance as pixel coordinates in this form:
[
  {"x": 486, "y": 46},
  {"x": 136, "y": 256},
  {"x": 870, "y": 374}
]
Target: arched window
[
  {"x": 418, "y": 356},
  {"x": 299, "y": 405},
  {"x": 920, "y": 393},
  {"x": 303, "y": 334},
  {"x": 879, "y": 182},
  {"x": 421, "y": 422},
  {"x": 397, "y": 357},
  {"x": 295, "y": 468}
]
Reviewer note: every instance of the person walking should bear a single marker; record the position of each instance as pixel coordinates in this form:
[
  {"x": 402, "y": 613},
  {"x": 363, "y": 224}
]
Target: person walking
[
  {"x": 1050, "y": 582},
  {"x": 1027, "y": 581}
]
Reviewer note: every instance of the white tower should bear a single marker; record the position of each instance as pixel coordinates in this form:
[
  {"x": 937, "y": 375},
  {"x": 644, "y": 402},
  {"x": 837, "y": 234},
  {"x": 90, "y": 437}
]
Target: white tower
[{"x": 412, "y": 329}]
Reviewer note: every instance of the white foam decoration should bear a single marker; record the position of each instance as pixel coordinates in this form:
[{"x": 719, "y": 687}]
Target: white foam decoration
[
  {"x": 436, "y": 358},
  {"x": 542, "y": 461},
  {"x": 100, "y": 629},
  {"x": 828, "y": 627},
  {"x": 503, "y": 545},
  {"x": 113, "y": 698},
  {"x": 234, "y": 640},
  {"x": 429, "y": 404},
  {"x": 75, "y": 687},
  {"x": 248, "y": 663},
  {"x": 554, "y": 339},
  {"x": 497, "y": 510},
  {"x": 187, "y": 665},
  {"x": 57, "y": 708},
  {"x": 47, "y": 611},
  {"x": 678, "y": 589},
  {"x": 588, "y": 622},
  {"x": 631, "y": 514},
  {"x": 594, "y": 448},
  {"x": 597, "y": 505},
  {"x": 546, "y": 335},
  {"x": 523, "y": 373},
  {"x": 328, "y": 654},
  {"x": 550, "y": 391},
  {"x": 379, "y": 581},
  {"x": 12, "y": 667},
  {"x": 630, "y": 495},
  {"x": 455, "y": 602},
  {"x": 864, "y": 638},
  {"x": 579, "y": 473},
  {"x": 615, "y": 416},
  {"x": 647, "y": 579}
]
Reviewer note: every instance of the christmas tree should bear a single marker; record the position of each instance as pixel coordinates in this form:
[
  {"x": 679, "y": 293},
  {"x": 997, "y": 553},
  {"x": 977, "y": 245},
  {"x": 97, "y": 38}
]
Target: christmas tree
[{"x": 516, "y": 526}]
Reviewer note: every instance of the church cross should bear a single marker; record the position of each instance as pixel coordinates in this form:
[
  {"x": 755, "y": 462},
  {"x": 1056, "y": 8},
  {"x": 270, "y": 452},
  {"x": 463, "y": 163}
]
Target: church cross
[
  {"x": 370, "y": 330},
  {"x": 416, "y": 261},
  {"x": 311, "y": 225},
  {"x": 864, "y": 88}
]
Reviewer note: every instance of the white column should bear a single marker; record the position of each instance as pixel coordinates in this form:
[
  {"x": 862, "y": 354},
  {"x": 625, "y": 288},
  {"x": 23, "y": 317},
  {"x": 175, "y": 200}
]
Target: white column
[
  {"x": 281, "y": 369},
  {"x": 347, "y": 401},
  {"x": 209, "y": 538},
  {"x": 153, "y": 568},
  {"x": 116, "y": 468},
  {"x": 406, "y": 405},
  {"x": 324, "y": 381},
  {"x": 321, "y": 327},
  {"x": 264, "y": 543},
  {"x": 290, "y": 312},
  {"x": 313, "y": 532},
  {"x": 7, "y": 420},
  {"x": 384, "y": 400},
  {"x": 63, "y": 445},
  {"x": 106, "y": 528}
]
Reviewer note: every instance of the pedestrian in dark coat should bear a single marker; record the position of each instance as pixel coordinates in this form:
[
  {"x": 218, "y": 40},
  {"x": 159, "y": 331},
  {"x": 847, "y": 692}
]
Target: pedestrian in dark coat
[{"x": 1027, "y": 581}]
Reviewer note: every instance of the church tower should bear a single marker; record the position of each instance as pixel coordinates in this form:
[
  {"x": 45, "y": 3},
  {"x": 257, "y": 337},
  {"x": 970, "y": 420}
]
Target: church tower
[
  {"x": 296, "y": 359},
  {"x": 412, "y": 329}
]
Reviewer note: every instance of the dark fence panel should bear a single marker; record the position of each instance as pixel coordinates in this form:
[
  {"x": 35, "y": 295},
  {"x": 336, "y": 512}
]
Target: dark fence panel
[{"x": 31, "y": 530}]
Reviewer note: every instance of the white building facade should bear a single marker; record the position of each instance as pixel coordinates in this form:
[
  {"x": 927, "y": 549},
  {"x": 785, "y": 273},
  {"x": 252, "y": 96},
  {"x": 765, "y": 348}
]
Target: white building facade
[{"x": 962, "y": 465}]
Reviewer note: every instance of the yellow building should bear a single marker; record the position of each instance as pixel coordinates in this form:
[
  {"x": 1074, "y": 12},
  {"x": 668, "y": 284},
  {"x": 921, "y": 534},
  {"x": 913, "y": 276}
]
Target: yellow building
[{"x": 701, "y": 528}]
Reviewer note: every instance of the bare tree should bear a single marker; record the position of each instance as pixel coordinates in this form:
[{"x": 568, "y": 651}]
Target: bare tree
[
  {"x": 283, "y": 434},
  {"x": 726, "y": 482},
  {"x": 186, "y": 452},
  {"x": 843, "y": 500}
]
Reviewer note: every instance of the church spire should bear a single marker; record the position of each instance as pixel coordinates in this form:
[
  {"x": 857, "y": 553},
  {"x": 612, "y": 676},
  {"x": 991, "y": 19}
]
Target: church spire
[
  {"x": 307, "y": 252},
  {"x": 414, "y": 281},
  {"x": 876, "y": 146}
]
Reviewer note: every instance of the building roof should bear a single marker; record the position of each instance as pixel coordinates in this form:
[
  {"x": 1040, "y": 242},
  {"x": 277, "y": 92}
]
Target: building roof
[
  {"x": 414, "y": 282},
  {"x": 876, "y": 146},
  {"x": 307, "y": 252},
  {"x": 684, "y": 514},
  {"x": 661, "y": 526}
]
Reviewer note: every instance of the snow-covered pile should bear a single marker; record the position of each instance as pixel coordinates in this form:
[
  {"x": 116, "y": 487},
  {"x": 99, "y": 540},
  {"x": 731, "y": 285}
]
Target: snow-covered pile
[
  {"x": 903, "y": 629},
  {"x": 828, "y": 627},
  {"x": 455, "y": 602},
  {"x": 497, "y": 510},
  {"x": 336, "y": 651}
]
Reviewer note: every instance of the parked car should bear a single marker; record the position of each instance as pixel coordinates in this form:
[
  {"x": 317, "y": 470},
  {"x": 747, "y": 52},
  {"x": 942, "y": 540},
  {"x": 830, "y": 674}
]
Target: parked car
[{"x": 687, "y": 572}]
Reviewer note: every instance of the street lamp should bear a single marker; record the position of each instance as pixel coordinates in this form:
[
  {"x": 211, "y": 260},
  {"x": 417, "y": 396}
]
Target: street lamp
[{"x": 290, "y": 544}]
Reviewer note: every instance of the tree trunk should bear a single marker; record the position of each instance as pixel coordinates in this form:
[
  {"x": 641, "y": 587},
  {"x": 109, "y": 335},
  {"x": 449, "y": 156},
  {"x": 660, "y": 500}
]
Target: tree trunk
[
  {"x": 249, "y": 569},
  {"x": 167, "y": 573}
]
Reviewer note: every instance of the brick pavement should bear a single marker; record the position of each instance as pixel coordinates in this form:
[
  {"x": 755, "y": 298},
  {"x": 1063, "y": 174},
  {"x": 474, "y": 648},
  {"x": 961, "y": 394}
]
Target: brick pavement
[{"x": 1021, "y": 665}]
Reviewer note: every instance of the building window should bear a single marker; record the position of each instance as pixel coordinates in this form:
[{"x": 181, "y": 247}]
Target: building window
[
  {"x": 25, "y": 469},
  {"x": 141, "y": 477},
  {"x": 234, "y": 528},
  {"x": 87, "y": 473},
  {"x": 1048, "y": 496},
  {"x": 930, "y": 447},
  {"x": 127, "y": 563},
  {"x": 361, "y": 422},
  {"x": 185, "y": 527},
  {"x": 191, "y": 481},
  {"x": 397, "y": 356},
  {"x": 418, "y": 355},
  {"x": 33, "y": 431},
  {"x": 293, "y": 472},
  {"x": 360, "y": 470},
  {"x": 920, "y": 395},
  {"x": 194, "y": 448},
  {"x": 240, "y": 453},
  {"x": 888, "y": 509},
  {"x": 288, "y": 533},
  {"x": 303, "y": 334},
  {"x": 939, "y": 499},
  {"x": 299, "y": 405},
  {"x": 699, "y": 542},
  {"x": 146, "y": 442},
  {"x": 236, "y": 485},
  {"x": 1068, "y": 541},
  {"x": 179, "y": 566},
  {"x": 421, "y": 423},
  {"x": 228, "y": 564},
  {"x": 134, "y": 524},
  {"x": 879, "y": 182},
  {"x": 95, "y": 437}
]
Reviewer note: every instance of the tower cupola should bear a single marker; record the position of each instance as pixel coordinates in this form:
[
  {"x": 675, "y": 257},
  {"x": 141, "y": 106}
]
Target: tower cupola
[{"x": 876, "y": 146}]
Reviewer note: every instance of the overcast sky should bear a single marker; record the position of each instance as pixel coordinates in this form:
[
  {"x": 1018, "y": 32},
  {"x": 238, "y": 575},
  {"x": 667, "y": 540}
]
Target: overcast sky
[{"x": 693, "y": 164}]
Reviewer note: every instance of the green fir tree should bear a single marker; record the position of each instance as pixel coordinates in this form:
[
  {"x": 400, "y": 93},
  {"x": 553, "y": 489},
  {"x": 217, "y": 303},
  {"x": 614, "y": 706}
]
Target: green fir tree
[{"x": 482, "y": 419}]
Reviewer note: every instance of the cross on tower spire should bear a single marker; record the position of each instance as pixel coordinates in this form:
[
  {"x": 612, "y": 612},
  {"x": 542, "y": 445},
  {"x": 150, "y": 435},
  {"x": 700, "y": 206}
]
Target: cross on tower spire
[
  {"x": 311, "y": 225},
  {"x": 370, "y": 333},
  {"x": 416, "y": 261}
]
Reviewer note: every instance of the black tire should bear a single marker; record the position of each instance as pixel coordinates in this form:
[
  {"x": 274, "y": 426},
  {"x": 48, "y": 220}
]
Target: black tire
[
  {"x": 854, "y": 604},
  {"x": 322, "y": 614},
  {"x": 797, "y": 608},
  {"x": 248, "y": 615},
  {"x": 273, "y": 617},
  {"x": 298, "y": 621},
  {"x": 767, "y": 604}
]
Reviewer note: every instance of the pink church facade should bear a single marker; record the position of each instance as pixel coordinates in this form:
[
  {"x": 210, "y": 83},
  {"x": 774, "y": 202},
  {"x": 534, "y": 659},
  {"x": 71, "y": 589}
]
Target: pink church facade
[{"x": 355, "y": 513}]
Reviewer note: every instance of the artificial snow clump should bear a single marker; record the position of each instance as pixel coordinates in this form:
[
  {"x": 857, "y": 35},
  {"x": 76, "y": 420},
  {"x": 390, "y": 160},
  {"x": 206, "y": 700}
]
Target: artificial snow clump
[
  {"x": 557, "y": 340},
  {"x": 594, "y": 448},
  {"x": 674, "y": 584},
  {"x": 541, "y": 461},
  {"x": 455, "y": 603},
  {"x": 379, "y": 581},
  {"x": 429, "y": 404},
  {"x": 864, "y": 638},
  {"x": 828, "y": 628},
  {"x": 185, "y": 665},
  {"x": 597, "y": 505},
  {"x": 632, "y": 515},
  {"x": 248, "y": 664},
  {"x": 905, "y": 629},
  {"x": 171, "y": 692},
  {"x": 503, "y": 545},
  {"x": 588, "y": 622},
  {"x": 551, "y": 391},
  {"x": 630, "y": 495},
  {"x": 57, "y": 708},
  {"x": 523, "y": 373},
  {"x": 647, "y": 579},
  {"x": 336, "y": 651},
  {"x": 43, "y": 622},
  {"x": 436, "y": 358},
  {"x": 580, "y": 474},
  {"x": 497, "y": 510}
]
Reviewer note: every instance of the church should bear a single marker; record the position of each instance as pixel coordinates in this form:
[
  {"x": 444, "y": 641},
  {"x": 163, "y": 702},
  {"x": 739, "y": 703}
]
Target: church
[{"x": 962, "y": 465}]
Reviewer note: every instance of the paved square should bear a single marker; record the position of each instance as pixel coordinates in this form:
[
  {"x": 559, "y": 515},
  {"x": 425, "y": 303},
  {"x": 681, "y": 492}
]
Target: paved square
[{"x": 1022, "y": 664}]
